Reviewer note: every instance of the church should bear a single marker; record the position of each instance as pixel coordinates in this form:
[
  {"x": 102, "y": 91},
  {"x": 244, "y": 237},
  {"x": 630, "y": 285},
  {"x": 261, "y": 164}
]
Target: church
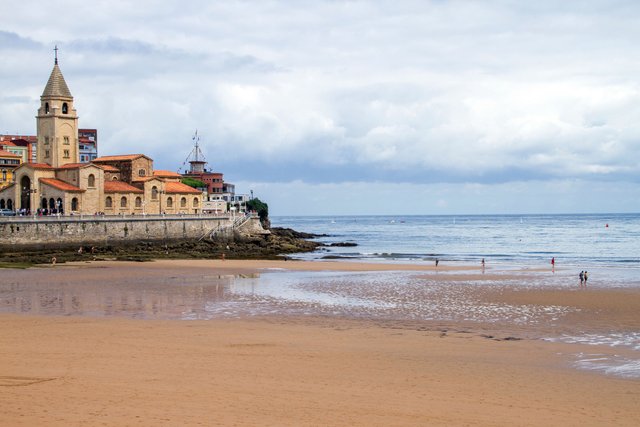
[{"x": 112, "y": 185}]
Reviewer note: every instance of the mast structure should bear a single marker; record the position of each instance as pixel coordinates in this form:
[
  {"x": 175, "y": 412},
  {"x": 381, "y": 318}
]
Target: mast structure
[{"x": 195, "y": 158}]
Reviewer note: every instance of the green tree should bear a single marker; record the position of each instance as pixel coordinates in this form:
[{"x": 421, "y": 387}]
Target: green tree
[
  {"x": 192, "y": 182},
  {"x": 259, "y": 206}
]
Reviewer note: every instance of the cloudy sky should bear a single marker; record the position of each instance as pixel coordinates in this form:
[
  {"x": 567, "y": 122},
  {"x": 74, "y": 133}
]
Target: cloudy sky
[{"x": 353, "y": 107}]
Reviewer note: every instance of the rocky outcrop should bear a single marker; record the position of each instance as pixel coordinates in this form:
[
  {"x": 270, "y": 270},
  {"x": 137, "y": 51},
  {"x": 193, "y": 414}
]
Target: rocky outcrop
[{"x": 276, "y": 245}]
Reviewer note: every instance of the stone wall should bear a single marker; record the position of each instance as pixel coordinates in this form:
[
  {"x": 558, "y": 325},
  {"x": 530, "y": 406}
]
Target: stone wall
[{"x": 29, "y": 233}]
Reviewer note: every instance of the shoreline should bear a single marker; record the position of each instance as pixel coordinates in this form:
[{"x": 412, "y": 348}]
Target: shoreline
[{"x": 298, "y": 369}]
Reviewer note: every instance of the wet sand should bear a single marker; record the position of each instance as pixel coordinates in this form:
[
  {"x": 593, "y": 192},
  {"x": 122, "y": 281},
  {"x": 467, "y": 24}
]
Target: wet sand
[{"x": 292, "y": 370}]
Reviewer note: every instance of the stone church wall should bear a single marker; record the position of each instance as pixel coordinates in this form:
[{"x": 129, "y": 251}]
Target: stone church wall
[{"x": 19, "y": 234}]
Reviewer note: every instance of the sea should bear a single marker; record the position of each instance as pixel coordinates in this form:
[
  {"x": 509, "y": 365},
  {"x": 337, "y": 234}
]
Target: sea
[
  {"x": 519, "y": 248},
  {"x": 590, "y": 240}
]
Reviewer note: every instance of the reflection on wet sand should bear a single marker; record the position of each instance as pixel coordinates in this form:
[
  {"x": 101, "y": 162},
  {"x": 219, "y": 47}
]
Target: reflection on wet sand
[{"x": 160, "y": 298}]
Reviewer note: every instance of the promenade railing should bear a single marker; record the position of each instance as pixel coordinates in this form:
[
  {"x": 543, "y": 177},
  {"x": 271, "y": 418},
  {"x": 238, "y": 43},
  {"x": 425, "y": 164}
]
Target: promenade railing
[{"x": 129, "y": 217}]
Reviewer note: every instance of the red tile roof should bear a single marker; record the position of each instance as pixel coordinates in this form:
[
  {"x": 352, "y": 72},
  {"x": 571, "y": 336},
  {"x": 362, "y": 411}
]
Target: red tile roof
[
  {"x": 178, "y": 187},
  {"x": 108, "y": 168},
  {"x": 4, "y": 153},
  {"x": 73, "y": 165},
  {"x": 61, "y": 185},
  {"x": 38, "y": 165},
  {"x": 166, "y": 174},
  {"x": 118, "y": 158},
  {"x": 30, "y": 138},
  {"x": 120, "y": 187}
]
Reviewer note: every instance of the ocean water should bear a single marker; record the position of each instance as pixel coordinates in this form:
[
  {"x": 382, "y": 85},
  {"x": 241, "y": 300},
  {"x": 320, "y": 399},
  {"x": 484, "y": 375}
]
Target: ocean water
[
  {"x": 517, "y": 247},
  {"x": 605, "y": 240}
]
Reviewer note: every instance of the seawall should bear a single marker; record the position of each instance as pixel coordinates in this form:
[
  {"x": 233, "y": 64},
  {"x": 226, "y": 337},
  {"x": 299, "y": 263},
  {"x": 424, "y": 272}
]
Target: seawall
[{"x": 22, "y": 233}]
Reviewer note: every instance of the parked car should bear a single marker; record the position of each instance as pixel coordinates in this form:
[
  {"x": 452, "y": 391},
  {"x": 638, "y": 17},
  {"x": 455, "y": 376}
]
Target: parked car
[{"x": 7, "y": 212}]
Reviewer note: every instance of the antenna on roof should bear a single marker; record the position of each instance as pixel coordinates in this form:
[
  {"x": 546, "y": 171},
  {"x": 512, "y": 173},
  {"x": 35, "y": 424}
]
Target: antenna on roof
[
  {"x": 55, "y": 49},
  {"x": 196, "y": 158}
]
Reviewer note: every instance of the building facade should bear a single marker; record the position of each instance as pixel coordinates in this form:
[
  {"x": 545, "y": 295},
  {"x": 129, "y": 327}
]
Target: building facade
[
  {"x": 57, "y": 182},
  {"x": 8, "y": 163}
]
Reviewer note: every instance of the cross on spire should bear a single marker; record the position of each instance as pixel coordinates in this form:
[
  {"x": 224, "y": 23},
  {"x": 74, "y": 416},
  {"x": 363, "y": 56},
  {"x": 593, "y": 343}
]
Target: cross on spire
[{"x": 56, "y": 54}]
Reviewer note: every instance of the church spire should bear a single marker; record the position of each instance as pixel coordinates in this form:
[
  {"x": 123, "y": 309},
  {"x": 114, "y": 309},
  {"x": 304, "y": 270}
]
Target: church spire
[{"x": 56, "y": 86}]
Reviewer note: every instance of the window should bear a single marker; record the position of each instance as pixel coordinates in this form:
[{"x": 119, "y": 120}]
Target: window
[
  {"x": 4, "y": 174},
  {"x": 142, "y": 172},
  {"x": 138, "y": 202},
  {"x": 91, "y": 181},
  {"x": 46, "y": 154},
  {"x": 154, "y": 193},
  {"x": 74, "y": 204},
  {"x": 108, "y": 202},
  {"x": 123, "y": 202},
  {"x": 195, "y": 202},
  {"x": 183, "y": 202},
  {"x": 65, "y": 108},
  {"x": 66, "y": 140},
  {"x": 46, "y": 108},
  {"x": 169, "y": 202},
  {"x": 46, "y": 140},
  {"x": 66, "y": 154}
]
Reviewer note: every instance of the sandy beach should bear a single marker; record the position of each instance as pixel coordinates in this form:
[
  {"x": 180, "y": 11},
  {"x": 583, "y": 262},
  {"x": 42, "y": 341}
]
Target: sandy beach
[{"x": 299, "y": 370}]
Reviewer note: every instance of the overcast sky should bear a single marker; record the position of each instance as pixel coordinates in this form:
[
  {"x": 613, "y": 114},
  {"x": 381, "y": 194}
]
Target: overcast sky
[{"x": 353, "y": 107}]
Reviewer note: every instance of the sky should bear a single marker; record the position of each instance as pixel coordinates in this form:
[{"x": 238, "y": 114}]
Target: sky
[{"x": 353, "y": 107}]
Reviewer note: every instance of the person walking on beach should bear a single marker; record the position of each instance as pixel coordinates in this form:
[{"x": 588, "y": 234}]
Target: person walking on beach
[
  {"x": 586, "y": 276},
  {"x": 553, "y": 264},
  {"x": 581, "y": 275},
  {"x": 482, "y": 262},
  {"x": 437, "y": 261}
]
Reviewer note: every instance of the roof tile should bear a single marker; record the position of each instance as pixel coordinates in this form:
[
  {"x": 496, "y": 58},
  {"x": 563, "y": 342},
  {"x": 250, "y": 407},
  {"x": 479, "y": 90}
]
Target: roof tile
[{"x": 61, "y": 185}]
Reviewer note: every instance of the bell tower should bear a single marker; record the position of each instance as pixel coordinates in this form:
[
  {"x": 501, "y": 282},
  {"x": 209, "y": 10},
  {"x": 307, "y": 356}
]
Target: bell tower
[{"x": 57, "y": 122}]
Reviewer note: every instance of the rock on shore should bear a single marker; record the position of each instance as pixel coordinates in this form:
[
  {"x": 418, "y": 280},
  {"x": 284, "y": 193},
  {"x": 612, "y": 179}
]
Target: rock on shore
[{"x": 278, "y": 244}]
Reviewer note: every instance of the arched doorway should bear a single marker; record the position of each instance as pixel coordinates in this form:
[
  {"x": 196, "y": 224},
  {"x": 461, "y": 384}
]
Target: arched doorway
[{"x": 25, "y": 193}]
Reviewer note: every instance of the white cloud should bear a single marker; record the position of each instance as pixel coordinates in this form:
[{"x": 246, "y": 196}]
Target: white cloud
[{"x": 412, "y": 92}]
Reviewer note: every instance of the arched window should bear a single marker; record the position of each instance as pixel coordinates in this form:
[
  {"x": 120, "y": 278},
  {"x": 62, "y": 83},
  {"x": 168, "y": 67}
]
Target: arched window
[
  {"x": 74, "y": 204},
  {"x": 91, "y": 180},
  {"x": 65, "y": 108},
  {"x": 108, "y": 202},
  {"x": 46, "y": 108},
  {"x": 59, "y": 205},
  {"x": 195, "y": 202},
  {"x": 4, "y": 174},
  {"x": 183, "y": 202},
  {"x": 154, "y": 193},
  {"x": 9, "y": 204},
  {"x": 142, "y": 172},
  {"x": 52, "y": 203},
  {"x": 1, "y": 203},
  {"x": 169, "y": 202},
  {"x": 115, "y": 178},
  {"x": 123, "y": 202},
  {"x": 138, "y": 202},
  {"x": 43, "y": 204}
]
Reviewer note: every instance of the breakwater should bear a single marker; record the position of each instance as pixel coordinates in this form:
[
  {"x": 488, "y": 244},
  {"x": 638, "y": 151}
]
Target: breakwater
[{"x": 24, "y": 233}]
